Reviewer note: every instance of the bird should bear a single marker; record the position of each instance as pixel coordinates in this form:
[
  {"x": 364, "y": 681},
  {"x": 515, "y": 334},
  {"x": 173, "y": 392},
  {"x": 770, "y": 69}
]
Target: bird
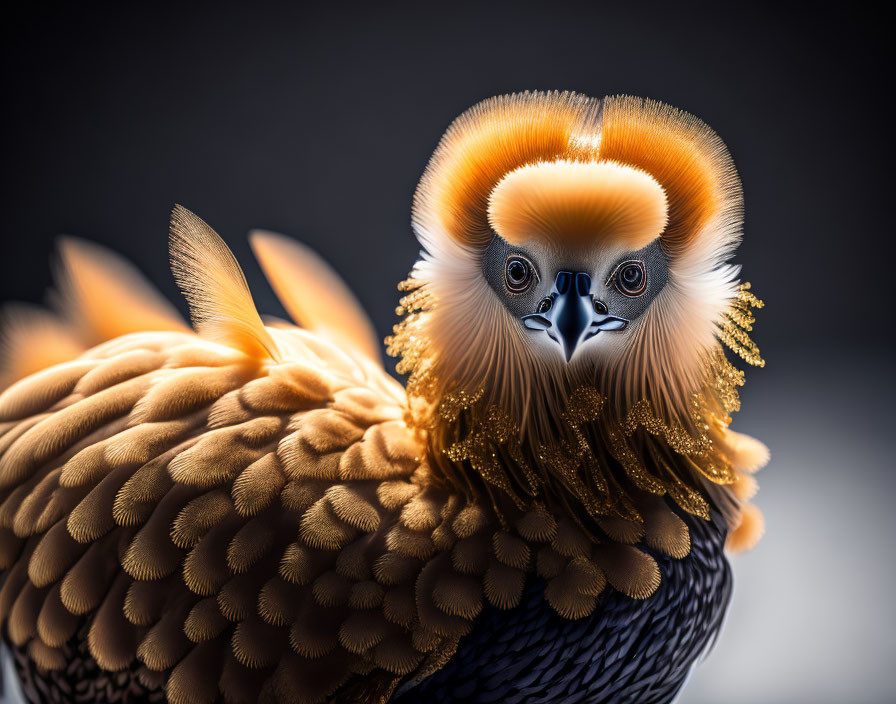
[{"x": 250, "y": 509}]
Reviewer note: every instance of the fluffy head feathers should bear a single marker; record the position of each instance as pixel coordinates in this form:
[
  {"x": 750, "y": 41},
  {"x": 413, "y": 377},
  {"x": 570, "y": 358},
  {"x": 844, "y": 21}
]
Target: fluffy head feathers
[
  {"x": 503, "y": 134},
  {"x": 487, "y": 142},
  {"x": 578, "y": 202},
  {"x": 686, "y": 157}
]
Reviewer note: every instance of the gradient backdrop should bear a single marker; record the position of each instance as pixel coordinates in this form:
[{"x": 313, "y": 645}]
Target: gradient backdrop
[{"x": 317, "y": 122}]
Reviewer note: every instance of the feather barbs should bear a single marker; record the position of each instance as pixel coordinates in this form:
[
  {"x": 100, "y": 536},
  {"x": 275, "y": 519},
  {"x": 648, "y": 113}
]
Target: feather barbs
[
  {"x": 482, "y": 145},
  {"x": 214, "y": 285},
  {"x": 687, "y": 158}
]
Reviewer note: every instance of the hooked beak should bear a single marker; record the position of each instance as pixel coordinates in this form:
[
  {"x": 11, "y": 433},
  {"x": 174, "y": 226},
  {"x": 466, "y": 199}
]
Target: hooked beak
[{"x": 568, "y": 315}]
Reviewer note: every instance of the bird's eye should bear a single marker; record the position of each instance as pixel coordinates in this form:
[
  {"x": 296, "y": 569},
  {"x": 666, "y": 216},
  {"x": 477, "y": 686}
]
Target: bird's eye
[
  {"x": 631, "y": 278},
  {"x": 518, "y": 274}
]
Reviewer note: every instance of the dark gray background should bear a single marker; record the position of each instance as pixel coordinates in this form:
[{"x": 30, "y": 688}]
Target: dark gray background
[{"x": 317, "y": 122}]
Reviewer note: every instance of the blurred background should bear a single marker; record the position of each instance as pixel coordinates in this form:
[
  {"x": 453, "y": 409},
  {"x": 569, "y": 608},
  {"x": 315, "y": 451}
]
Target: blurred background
[{"x": 317, "y": 121}]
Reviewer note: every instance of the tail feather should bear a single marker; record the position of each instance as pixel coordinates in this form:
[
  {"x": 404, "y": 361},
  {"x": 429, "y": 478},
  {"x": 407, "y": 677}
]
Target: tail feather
[
  {"x": 103, "y": 296},
  {"x": 214, "y": 285},
  {"x": 313, "y": 294},
  {"x": 32, "y": 339}
]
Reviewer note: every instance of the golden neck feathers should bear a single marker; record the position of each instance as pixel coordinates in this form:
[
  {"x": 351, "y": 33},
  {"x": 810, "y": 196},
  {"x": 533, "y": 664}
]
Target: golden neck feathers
[{"x": 597, "y": 459}]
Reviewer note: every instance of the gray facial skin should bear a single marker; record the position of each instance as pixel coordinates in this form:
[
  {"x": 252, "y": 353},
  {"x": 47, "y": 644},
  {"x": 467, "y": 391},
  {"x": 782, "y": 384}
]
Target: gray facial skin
[{"x": 601, "y": 266}]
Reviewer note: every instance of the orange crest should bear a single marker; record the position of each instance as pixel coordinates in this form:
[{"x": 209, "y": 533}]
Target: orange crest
[
  {"x": 526, "y": 165},
  {"x": 576, "y": 202}
]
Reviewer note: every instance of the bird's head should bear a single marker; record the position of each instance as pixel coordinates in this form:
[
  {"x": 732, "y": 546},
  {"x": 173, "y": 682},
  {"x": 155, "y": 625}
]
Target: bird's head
[
  {"x": 577, "y": 243},
  {"x": 564, "y": 325},
  {"x": 567, "y": 240}
]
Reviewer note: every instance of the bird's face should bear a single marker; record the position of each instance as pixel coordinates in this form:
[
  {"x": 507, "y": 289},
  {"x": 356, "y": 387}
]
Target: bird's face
[
  {"x": 575, "y": 254},
  {"x": 572, "y": 302}
]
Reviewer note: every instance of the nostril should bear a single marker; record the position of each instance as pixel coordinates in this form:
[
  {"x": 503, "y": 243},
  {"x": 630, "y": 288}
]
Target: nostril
[
  {"x": 563, "y": 282},
  {"x": 601, "y": 307},
  {"x": 544, "y": 305},
  {"x": 583, "y": 283}
]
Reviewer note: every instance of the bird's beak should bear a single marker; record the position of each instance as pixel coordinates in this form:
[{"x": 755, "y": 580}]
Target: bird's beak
[{"x": 568, "y": 315}]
